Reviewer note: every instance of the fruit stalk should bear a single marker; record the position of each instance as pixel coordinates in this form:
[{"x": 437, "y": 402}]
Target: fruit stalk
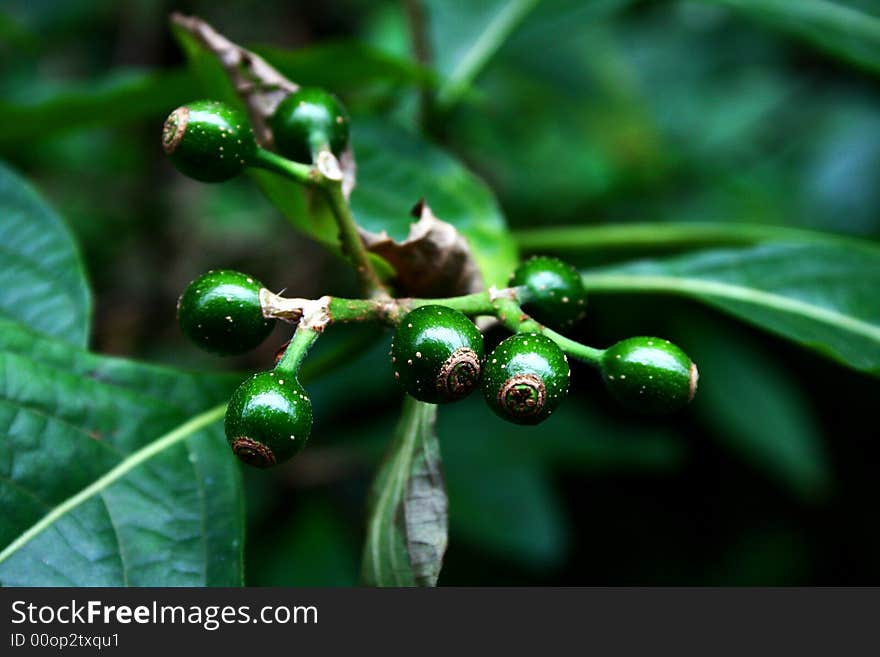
[
  {"x": 303, "y": 339},
  {"x": 501, "y": 304},
  {"x": 352, "y": 245},
  {"x": 350, "y": 240}
]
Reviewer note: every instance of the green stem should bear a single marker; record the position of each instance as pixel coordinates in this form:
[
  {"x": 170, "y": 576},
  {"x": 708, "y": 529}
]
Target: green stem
[
  {"x": 421, "y": 47},
  {"x": 659, "y": 236},
  {"x": 502, "y": 304},
  {"x": 303, "y": 339},
  {"x": 296, "y": 171},
  {"x": 389, "y": 311},
  {"x": 352, "y": 244},
  {"x": 512, "y": 316},
  {"x": 350, "y": 240},
  {"x": 492, "y": 38},
  {"x": 472, "y": 305},
  {"x": 575, "y": 349}
]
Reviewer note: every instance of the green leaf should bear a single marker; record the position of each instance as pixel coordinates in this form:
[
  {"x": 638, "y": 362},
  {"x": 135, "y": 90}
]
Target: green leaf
[
  {"x": 778, "y": 434},
  {"x": 843, "y": 31},
  {"x": 500, "y": 476},
  {"x": 42, "y": 281},
  {"x": 318, "y": 547},
  {"x": 466, "y": 35},
  {"x": 113, "y": 473},
  {"x": 512, "y": 510},
  {"x": 364, "y": 66},
  {"x": 120, "y": 98},
  {"x": 659, "y": 236},
  {"x": 407, "y": 526},
  {"x": 822, "y": 296},
  {"x": 395, "y": 170}
]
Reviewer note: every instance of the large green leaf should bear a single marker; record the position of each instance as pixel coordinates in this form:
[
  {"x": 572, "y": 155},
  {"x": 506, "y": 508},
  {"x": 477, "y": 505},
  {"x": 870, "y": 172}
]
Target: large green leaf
[
  {"x": 465, "y": 35},
  {"x": 113, "y": 473},
  {"x": 407, "y": 526},
  {"x": 396, "y": 169},
  {"x": 843, "y": 31},
  {"x": 823, "y": 296},
  {"x": 364, "y": 66},
  {"x": 501, "y": 476},
  {"x": 665, "y": 236},
  {"x": 42, "y": 282},
  {"x": 316, "y": 65},
  {"x": 779, "y": 433},
  {"x": 120, "y": 98},
  {"x": 318, "y": 547}
]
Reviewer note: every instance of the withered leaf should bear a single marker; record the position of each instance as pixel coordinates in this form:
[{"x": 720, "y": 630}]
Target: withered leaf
[
  {"x": 407, "y": 528},
  {"x": 434, "y": 260},
  {"x": 259, "y": 85}
]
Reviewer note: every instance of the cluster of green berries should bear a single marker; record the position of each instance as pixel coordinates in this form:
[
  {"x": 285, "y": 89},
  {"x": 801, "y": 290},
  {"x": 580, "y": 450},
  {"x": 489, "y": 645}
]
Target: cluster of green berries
[
  {"x": 437, "y": 353},
  {"x": 269, "y": 416},
  {"x": 214, "y": 142},
  {"x": 438, "y": 356}
]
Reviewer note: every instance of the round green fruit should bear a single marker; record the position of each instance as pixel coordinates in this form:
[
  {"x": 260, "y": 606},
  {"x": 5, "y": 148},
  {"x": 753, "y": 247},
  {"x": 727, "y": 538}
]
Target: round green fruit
[
  {"x": 307, "y": 121},
  {"x": 209, "y": 140},
  {"x": 436, "y": 354},
  {"x": 525, "y": 378},
  {"x": 269, "y": 419},
  {"x": 553, "y": 292},
  {"x": 649, "y": 375},
  {"x": 220, "y": 311}
]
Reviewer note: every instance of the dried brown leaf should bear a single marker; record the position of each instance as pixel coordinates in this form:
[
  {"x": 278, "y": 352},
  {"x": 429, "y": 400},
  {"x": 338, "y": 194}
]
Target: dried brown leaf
[
  {"x": 258, "y": 83},
  {"x": 434, "y": 260}
]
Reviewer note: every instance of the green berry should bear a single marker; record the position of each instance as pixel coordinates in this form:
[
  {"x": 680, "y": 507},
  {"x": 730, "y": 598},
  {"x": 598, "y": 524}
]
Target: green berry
[
  {"x": 525, "y": 378},
  {"x": 269, "y": 419},
  {"x": 553, "y": 292},
  {"x": 209, "y": 140},
  {"x": 220, "y": 311},
  {"x": 649, "y": 375},
  {"x": 307, "y": 121},
  {"x": 436, "y": 354}
]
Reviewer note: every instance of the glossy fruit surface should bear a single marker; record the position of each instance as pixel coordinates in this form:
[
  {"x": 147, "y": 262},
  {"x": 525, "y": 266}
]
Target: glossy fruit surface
[
  {"x": 307, "y": 121},
  {"x": 436, "y": 354},
  {"x": 525, "y": 378},
  {"x": 554, "y": 293},
  {"x": 209, "y": 140},
  {"x": 649, "y": 375},
  {"x": 269, "y": 419},
  {"x": 220, "y": 311}
]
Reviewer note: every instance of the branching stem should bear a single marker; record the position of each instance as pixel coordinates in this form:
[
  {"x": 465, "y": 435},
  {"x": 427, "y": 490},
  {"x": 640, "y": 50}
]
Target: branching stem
[
  {"x": 327, "y": 176},
  {"x": 502, "y": 304},
  {"x": 302, "y": 341}
]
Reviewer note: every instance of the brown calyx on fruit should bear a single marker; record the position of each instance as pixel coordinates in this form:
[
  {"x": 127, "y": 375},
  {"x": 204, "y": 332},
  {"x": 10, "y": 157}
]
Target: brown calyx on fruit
[
  {"x": 694, "y": 380},
  {"x": 174, "y": 129},
  {"x": 459, "y": 374},
  {"x": 523, "y": 395},
  {"x": 252, "y": 452}
]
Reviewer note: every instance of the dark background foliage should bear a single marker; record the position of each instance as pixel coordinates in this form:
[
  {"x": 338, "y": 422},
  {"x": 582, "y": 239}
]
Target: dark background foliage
[{"x": 593, "y": 112}]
